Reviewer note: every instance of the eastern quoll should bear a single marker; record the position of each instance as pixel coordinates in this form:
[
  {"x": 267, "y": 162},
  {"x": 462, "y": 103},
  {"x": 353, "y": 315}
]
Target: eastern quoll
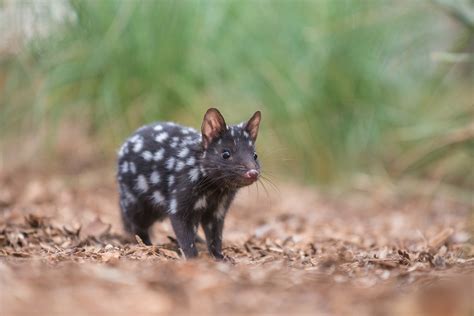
[{"x": 168, "y": 170}]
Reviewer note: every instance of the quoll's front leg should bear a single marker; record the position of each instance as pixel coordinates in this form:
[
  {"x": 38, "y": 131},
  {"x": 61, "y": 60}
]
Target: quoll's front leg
[
  {"x": 185, "y": 234},
  {"x": 213, "y": 224}
]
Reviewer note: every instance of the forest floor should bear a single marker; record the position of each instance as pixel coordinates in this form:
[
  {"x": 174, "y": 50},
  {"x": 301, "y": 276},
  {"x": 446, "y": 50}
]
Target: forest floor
[{"x": 377, "y": 248}]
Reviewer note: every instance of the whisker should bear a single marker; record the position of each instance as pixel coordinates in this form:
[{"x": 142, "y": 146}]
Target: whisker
[
  {"x": 256, "y": 183},
  {"x": 274, "y": 186},
  {"x": 266, "y": 191}
]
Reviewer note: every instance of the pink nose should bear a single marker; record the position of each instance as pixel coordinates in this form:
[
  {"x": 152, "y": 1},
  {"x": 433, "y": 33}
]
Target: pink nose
[{"x": 252, "y": 174}]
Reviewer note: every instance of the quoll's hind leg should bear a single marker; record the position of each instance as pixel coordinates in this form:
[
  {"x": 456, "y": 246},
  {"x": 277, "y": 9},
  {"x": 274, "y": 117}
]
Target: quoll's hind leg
[
  {"x": 137, "y": 220},
  {"x": 184, "y": 229},
  {"x": 213, "y": 225}
]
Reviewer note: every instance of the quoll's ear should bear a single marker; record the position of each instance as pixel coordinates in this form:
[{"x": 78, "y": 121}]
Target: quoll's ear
[
  {"x": 252, "y": 125},
  {"x": 213, "y": 125}
]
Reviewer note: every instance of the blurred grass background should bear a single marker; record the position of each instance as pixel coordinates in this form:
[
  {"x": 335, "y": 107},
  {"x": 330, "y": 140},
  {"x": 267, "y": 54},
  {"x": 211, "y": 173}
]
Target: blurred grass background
[{"x": 344, "y": 86}]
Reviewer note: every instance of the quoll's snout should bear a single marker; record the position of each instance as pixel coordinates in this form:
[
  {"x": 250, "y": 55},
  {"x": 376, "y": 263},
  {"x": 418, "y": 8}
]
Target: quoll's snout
[{"x": 252, "y": 174}]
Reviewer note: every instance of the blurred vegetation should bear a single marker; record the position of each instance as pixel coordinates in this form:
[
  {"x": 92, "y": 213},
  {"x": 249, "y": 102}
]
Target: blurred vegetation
[{"x": 344, "y": 86}]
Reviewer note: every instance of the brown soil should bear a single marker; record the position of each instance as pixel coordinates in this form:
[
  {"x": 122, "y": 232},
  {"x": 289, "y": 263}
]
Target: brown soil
[{"x": 377, "y": 249}]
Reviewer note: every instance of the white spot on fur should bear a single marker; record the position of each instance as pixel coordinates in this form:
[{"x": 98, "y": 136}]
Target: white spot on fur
[
  {"x": 250, "y": 143},
  {"x": 155, "y": 177},
  {"x": 132, "y": 167},
  {"x": 142, "y": 184},
  {"x": 123, "y": 205},
  {"x": 194, "y": 174},
  {"x": 170, "y": 181},
  {"x": 127, "y": 194},
  {"x": 147, "y": 155},
  {"x": 191, "y": 161},
  {"x": 246, "y": 134},
  {"x": 159, "y": 154},
  {"x": 161, "y": 137},
  {"x": 157, "y": 197},
  {"x": 134, "y": 138},
  {"x": 123, "y": 150},
  {"x": 138, "y": 145},
  {"x": 170, "y": 163},
  {"x": 158, "y": 128},
  {"x": 124, "y": 167},
  {"x": 183, "y": 153},
  {"x": 174, "y": 144},
  {"x": 200, "y": 203},
  {"x": 173, "y": 206},
  {"x": 179, "y": 166},
  {"x": 203, "y": 171}
]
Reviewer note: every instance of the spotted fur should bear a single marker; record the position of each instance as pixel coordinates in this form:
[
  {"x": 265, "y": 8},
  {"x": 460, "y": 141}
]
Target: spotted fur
[{"x": 168, "y": 170}]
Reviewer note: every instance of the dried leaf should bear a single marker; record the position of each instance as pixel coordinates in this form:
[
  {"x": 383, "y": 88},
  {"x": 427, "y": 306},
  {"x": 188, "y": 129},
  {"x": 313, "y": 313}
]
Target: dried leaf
[
  {"x": 440, "y": 239},
  {"x": 96, "y": 228}
]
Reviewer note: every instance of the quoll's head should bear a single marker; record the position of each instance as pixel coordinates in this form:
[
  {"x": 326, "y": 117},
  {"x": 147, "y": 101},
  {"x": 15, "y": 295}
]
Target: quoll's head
[{"x": 229, "y": 157}]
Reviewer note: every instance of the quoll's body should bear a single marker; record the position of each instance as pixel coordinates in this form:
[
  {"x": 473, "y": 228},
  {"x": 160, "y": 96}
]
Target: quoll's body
[{"x": 168, "y": 170}]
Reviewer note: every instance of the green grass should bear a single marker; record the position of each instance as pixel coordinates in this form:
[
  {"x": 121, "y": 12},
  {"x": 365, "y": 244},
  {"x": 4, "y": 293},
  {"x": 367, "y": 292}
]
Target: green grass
[{"x": 343, "y": 85}]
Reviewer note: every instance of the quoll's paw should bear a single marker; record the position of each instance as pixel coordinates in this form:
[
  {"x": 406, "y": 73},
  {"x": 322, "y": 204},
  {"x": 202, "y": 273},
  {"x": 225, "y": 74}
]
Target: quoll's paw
[
  {"x": 218, "y": 256},
  {"x": 228, "y": 259},
  {"x": 223, "y": 258}
]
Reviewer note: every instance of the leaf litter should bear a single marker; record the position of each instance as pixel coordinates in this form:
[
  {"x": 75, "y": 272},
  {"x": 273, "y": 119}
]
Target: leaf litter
[{"x": 376, "y": 250}]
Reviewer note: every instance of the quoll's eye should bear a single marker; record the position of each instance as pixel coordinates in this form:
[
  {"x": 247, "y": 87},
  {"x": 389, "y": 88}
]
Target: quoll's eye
[
  {"x": 255, "y": 156},
  {"x": 226, "y": 154}
]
